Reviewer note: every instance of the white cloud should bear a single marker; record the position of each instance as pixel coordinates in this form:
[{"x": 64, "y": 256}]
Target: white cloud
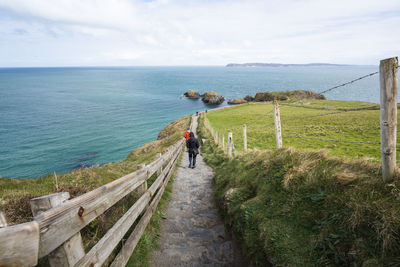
[{"x": 112, "y": 32}]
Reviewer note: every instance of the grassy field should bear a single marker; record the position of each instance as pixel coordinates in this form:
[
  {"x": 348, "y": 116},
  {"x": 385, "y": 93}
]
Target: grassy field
[
  {"x": 340, "y": 121},
  {"x": 15, "y": 193},
  {"x": 294, "y": 207}
]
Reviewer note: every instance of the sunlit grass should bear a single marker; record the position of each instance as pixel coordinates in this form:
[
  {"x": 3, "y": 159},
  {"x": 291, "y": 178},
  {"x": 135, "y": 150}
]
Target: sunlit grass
[{"x": 353, "y": 126}]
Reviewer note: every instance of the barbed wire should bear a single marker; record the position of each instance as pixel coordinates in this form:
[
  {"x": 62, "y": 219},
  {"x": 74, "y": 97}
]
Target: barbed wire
[
  {"x": 350, "y": 82},
  {"x": 347, "y": 83}
]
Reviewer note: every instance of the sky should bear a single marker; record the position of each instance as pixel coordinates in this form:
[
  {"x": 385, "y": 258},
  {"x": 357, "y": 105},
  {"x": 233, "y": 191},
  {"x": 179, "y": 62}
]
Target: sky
[{"x": 46, "y": 33}]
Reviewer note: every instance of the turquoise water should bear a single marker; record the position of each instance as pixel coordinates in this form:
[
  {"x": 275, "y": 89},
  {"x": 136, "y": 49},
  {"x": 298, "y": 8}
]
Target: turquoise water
[{"x": 57, "y": 119}]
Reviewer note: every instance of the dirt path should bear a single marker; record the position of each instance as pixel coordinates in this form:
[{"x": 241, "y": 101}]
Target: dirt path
[{"x": 193, "y": 233}]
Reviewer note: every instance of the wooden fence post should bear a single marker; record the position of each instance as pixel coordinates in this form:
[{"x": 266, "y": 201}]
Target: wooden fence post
[
  {"x": 3, "y": 221},
  {"x": 277, "y": 120},
  {"x": 244, "y": 137},
  {"x": 142, "y": 188},
  {"x": 159, "y": 171},
  {"x": 388, "y": 83},
  {"x": 71, "y": 251},
  {"x": 19, "y": 244},
  {"x": 229, "y": 145},
  {"x": 223, "y": 142}
]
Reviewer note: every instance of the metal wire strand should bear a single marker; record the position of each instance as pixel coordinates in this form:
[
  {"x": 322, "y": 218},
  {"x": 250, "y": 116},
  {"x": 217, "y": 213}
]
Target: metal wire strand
[{"x": 344, "y": 84}]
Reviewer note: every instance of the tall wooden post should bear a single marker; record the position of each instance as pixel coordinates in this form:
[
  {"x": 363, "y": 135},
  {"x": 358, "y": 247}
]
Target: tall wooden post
[
  {"x": 229, "y": 145},
  {"x": 244, "y": 137},
  {"x": 223, "y": 142},
  {"x": 277, "y": 120},
  {"x": 69, "y": 253},
  {"x": 388, "y": 83}
]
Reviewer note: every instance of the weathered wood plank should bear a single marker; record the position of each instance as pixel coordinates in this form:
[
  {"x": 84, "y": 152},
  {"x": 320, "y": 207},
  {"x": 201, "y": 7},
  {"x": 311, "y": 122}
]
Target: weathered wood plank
[
  {"x": 71, "y": 251},
  {"x": 102, "y": 250},
  {"x": 130, "y": 244},
  {"x": 44, "y": 203},
  {"x": 19, "y": 245},
  {"x": 59, "y": 224}
]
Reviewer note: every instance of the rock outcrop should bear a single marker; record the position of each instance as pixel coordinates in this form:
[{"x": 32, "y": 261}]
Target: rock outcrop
[
  {"x": 236, "y": 101},
  {"x": 287, "y": 95},
  {"x": 212, "y": 98},
  {"x": 193, "y": 94}
]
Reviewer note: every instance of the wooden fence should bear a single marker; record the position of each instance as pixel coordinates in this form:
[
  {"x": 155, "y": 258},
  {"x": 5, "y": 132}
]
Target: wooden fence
[{"x": 55, "y": 229}]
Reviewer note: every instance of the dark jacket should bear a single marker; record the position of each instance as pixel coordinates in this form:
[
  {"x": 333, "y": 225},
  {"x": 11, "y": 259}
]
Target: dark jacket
[{"x": 193, "y": 145}]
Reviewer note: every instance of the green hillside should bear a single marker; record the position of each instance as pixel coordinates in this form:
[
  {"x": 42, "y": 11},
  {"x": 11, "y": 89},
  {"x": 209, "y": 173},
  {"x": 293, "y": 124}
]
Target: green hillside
[{"x": 311, "y": 124}]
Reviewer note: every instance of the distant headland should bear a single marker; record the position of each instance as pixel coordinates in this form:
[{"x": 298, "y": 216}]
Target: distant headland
[{"x": 281, "y": 65}]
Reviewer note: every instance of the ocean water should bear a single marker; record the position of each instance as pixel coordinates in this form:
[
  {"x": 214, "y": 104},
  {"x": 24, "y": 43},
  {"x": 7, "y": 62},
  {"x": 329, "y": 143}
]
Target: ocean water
[{"x": 57, "y": 119}]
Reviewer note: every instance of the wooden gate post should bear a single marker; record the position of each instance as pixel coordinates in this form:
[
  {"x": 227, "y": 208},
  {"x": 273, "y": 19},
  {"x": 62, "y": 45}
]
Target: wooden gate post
[
  {"x": 244, "y": 137},
  {"x": 72, "y": 250},
  {"x": 388, "y": 83},
  {"x": 277, "y": 120},
  {"x": 229, "y": 145}
]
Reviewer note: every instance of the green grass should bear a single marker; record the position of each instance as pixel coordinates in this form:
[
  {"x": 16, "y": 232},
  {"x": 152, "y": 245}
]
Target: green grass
[
  {"x": 294, "y": 207},
  {"x": 353, "y": 125},
  {"x": 15, "y": 193}
]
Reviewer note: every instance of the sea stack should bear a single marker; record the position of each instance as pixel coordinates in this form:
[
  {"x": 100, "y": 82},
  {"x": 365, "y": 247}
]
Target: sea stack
[
  {"x": 212, "y": 98},
  {"x": 193, "y": 94}
]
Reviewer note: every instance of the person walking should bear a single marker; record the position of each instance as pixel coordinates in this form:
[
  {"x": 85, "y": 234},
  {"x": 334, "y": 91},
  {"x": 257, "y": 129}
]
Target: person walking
[
  {"x": 192, "y": 145},
  {"x": 187, "y": 134}
]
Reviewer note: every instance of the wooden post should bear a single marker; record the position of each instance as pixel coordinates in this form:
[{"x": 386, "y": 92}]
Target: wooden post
[
  {"x": 72, "y": 250},
  {"x": 244, "y": 137},
  {"x": 277, "y": 120},
  {"x": 142, "y": 188},
  {"x": 3, "y": 221},
  {"x": 19, "y": 244},
  {"x": 229, "y": 145},
  {"x": 388, "y": 83},
  {"x": 223, "y": 142},
  {"x": 159, "y": 171}
]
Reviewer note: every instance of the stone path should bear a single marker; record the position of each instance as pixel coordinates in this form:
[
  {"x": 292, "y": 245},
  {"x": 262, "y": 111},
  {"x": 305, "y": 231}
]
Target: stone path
[{"x": 193, "y": 233}]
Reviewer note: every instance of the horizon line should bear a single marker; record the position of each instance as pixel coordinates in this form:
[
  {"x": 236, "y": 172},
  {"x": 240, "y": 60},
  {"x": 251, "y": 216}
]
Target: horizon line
[{"x": 131, "y": 66}]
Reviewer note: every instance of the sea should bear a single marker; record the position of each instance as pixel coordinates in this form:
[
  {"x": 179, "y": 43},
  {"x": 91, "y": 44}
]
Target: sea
[{"x": 60, "y": 119}]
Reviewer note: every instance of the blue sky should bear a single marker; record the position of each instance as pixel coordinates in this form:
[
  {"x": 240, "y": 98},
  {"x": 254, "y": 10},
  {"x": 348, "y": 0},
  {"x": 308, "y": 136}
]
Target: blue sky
[{"x": 166, "y": 32}]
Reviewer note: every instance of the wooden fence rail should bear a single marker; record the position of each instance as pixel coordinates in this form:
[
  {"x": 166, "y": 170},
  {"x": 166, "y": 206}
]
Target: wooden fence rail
[{"x": 59, "y": 221}]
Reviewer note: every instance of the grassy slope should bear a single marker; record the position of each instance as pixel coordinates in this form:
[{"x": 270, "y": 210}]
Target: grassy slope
[
  {"x": 360, "y": 125},
  {"x": 305, "y": 208},
  {"x": 15, "y": 193}
]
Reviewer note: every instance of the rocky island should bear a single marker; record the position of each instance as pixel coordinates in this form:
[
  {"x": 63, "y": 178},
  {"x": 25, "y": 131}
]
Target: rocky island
[
  {"x": 212, "y": 98},
  {"x": 193, "y": 94}
]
